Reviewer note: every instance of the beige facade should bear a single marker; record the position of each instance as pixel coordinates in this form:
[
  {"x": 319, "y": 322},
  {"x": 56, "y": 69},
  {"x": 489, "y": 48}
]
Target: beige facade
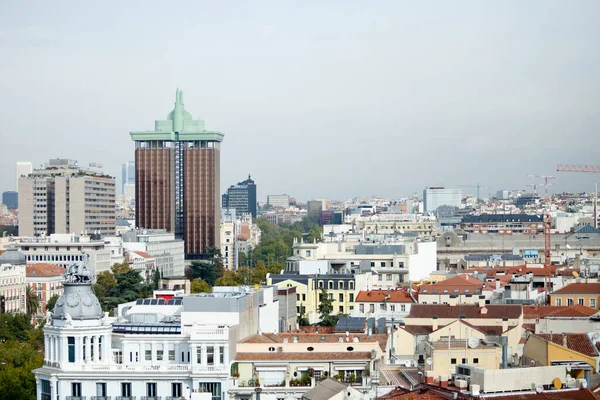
[
  {"x": 66, "y": 199},
  {"x": 445, "y": 355},
  {"x": 12, "y": 288}
]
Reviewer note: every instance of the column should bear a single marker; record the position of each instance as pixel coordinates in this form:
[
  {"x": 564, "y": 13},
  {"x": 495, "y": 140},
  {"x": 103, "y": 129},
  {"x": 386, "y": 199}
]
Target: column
[
  {"x": 226, "y": 356},
  {"x": 203, "y": 354},
  {"x": 47, "y": 341},
  {"x": 78, "y": 349},
  {"x": 96, "y": 348},
  {"x": 154, "y": 359}
]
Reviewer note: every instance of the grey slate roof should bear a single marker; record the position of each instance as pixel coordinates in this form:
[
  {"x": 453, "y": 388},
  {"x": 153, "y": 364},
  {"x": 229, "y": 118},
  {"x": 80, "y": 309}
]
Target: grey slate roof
[{"x": 324, "y": 390}]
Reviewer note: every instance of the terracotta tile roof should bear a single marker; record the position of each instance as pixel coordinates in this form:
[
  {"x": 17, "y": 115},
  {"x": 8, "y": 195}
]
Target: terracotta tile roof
[
  {"x": 577, "y": 394},
  {"x": 41, "y": 269},
  {"x": 529, "y": 327},
  {"x": 316, "y": 329},
  {"x": 462, "y": 284},
  {"x": 496, "y": 272},
  {"x": 418, "y": 329},
  {"x": 494, "y": 311},
  {"x": 364, "y": 355},
  {"x": 2, "y": 251},
  {"x": 421, "y": 394},
  {"x": 143, "y": 254},
  {"x": 577, "y": 288},
  {"x": 378, "y": 296},
  {"x": 577, "y": 310},
  {"x": 578, "y": 342}
]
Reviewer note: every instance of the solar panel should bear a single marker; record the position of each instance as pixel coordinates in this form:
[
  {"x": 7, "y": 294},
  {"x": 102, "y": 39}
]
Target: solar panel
[
  {"x": 155, "y": 329},
  {"x": 350, "y": 324}
]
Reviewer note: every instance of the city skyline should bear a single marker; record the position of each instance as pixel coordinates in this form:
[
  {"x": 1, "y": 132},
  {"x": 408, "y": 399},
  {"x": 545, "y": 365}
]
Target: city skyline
[{"x": 399, "y": 96}]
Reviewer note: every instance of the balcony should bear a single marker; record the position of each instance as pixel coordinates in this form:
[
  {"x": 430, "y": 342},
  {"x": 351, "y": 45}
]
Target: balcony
[
  {"x": 165, "y": 368},
  {"x": 100, "y": 397}
]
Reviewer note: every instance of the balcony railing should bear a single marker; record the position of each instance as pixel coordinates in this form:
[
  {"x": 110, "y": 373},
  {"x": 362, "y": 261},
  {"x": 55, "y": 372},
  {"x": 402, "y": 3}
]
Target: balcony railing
[
  {"x": 196, "y": 369},
  {"x": 76, "y": 397},
  {"x": 100, "y": 397}
]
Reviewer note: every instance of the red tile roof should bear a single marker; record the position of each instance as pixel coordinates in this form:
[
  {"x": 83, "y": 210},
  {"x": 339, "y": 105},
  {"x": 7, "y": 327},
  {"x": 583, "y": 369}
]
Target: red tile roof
[
  {"x": 276, "y": 356},
  {"x": 578, "y": 342},
  {"x": 577, "y": 310},
  {"x": 143, "y": 254},
  {"x": 577, "y": 394},
  {"x": 494, "y": 311},
  {"x": 2, "y": 251},
  {"x": 309, "y": 338},
  {"x": 463, "y": 283},
  {"x": 418, "y": 329},
  {"x": 378, "y": 296},
  {"x": 421, "y": 394},
  {"x": 41, "y": 269},
  {"x": 579, "y": 288}
]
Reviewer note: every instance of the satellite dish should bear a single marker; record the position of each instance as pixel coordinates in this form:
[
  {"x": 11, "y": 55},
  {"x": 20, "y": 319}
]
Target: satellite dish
[
  {"x": 473, "y": 342},
  {"x": 557, "y": 383},
  {"x": 429, "y": 361},
  {"x": 569, "y": 367},
  {"x": 584, "y": 384},
  {"x": 576, "y": 274}
]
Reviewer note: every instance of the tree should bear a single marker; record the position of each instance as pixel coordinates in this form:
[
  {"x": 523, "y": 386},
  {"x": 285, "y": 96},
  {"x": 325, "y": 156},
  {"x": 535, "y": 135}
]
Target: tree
[
  {"x": 156, "y": 279},
  {"x": 205, "y": 270},
  {"x": 200, "y": 286},
  {"x": 230, "y": 278},
  {"x": 51, "y": 302},
  {"x": 32, "y": 301},
  {"x": 326, "y": 308},
  {"x": 120, "y": 268},
  {"x": 302, "y": 318},
  {"x": 105, "y": 281}
]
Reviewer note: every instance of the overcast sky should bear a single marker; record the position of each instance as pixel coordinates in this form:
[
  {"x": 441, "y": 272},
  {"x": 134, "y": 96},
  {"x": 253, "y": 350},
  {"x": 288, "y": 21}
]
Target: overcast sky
[{"x": 316, "y": 99}]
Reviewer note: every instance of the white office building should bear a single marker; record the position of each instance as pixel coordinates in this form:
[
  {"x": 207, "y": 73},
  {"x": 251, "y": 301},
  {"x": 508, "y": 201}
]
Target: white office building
[
  {"x": 278, "y": 200},
  {"x": 230, "y": 227},
  {"x": 433, "y": 197},
  {"x": 162, "y": 246},
  {"x": 155, "y": 348},
  {"x": 64, "y": 249},
  {"x": 23, "y": 168}
]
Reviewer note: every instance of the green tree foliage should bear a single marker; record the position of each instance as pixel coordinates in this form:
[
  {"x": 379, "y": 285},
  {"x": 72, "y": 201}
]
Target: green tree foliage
[
  {"x": 32, "y": 301},
  {"x": 302, "y": 318},
  {"x": 325, "y": 309},
  {"x": 21, "y": 351},
  {"x": 51, "y": 302},
  {"x": 277, "y": 240},
  {"x": 200, "y": 286},
  {"x": 127, "y": 285},
  {"x": 204, "y": 270}
]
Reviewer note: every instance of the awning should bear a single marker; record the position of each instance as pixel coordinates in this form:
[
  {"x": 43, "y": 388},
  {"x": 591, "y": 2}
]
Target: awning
[{"x": 349, "y": 368}]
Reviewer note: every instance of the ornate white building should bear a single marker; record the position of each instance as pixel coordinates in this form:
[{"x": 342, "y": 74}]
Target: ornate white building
[{"x": 154, "y": 348}]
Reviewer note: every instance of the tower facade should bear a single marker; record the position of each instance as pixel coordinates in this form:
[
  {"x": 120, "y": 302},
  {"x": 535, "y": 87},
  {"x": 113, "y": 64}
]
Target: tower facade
[
  {"x": 177, "y": 179},
  {"x": 241, "y": 197}
]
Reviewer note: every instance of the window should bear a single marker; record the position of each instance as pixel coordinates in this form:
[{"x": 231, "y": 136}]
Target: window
[
  {"x": 351, "y": 285},
  {"x": 199, "y": 355},
  {"x": 382, "y": 306},
  {"x": 372, "y": 308},
  {"x": 320, "y": 284},
  {"x": 176, "y": 389},
  {"x": 307, "y": 253},
  {"x": 76, "y": 389},
  {"x": 210, "y": 355},
  {"x": 303, "y": 296},
  {"x": 379, "y": 277},
  {"x": 330, "y": 296},
  {"x": 101, "y": 389},
  {"x": 361, "y": 308},
  {"x": 453, "y": 361},
  {"x": 402, "y": 308},
  {"x": 351, "y": 299},
  {"x": 151, "y": 389},
  {"x": 119, "y": 357},
  {"x": 464, "y": 360},
  {"x": 215, "y": 388},
  {"x": 330, "y": 284},
  {"x": 581, "y": 302},
  {"x": 476, "y": 361},
  {"x": 221, "y": 355},
  {"x": 341, "y": 309},
  {"x": 100, "y": 348},
  {"x": 392, "y": 307},
  {"x": 383, "y": 264},
  {"x": 71, "y": 343},
  {"x": 84, "y": 346},
  {"x": 569, "y": 302},
  {"x": 592, "y": 303},
  {"x": 171, "y": 352},
  {"x": 341, "y": 285},
  {"x": 559, "y": 302},
  {"x": 372, "y": 263},
  {"x": 388, "y": 277},
  {"x": 148, "y": 354},
  {"x": 126, "y": 389},
  {"x": 341, "y": 297},
  {"x": 46, "y": 391}
]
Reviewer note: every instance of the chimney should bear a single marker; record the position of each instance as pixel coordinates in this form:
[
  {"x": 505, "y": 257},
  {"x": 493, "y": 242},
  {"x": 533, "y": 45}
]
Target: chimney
[
  {"x": 564, "y": 337},
  {"x": 435, "y": 323}
]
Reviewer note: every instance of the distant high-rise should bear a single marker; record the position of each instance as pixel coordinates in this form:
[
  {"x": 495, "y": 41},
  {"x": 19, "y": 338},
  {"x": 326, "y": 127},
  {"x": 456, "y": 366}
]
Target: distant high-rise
[
  {"x": 11, "y": 200},
  {"x": 314, "y": 208},
  {"x": 177, "y": 177},
  {"x": 62, "y": 198},
  {"x": 433, "y": 197},
  {"x": 127, "y": 175},
  {"x": 23, "y": 168},
  {"x": 241, "y": 197},
  {"x": 278, "y": 200}
]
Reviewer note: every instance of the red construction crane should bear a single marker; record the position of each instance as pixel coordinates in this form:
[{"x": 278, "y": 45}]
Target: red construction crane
[
  {"x": 534, "y": 186},
  {"x": 582, "y": 168},
  {"x": 546, "y": 178},
  {"x": 578, "y": 168},
  {"x": 547, "y": 255}
]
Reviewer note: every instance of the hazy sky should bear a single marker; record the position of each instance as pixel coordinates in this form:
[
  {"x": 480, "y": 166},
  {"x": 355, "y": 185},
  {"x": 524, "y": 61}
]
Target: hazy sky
[{"x": 316, "y": 98}]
